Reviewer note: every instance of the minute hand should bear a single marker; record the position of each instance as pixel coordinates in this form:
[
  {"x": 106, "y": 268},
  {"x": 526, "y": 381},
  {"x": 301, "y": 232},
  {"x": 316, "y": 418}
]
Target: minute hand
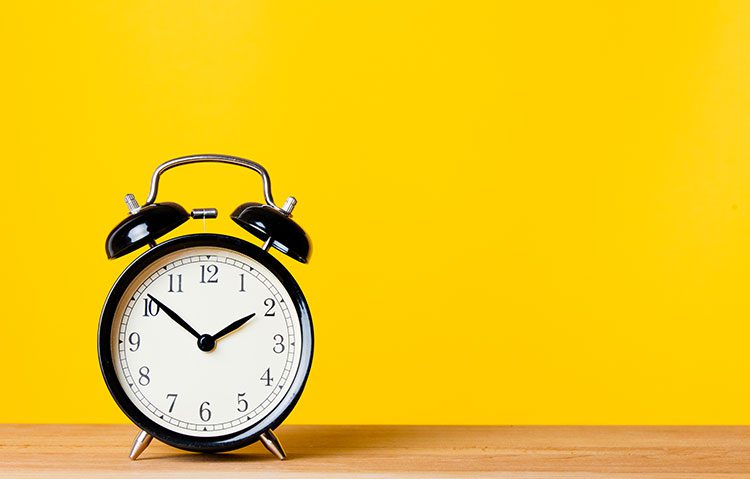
[
  {"x": 177, "y": 319},
  {"x": 233, "y": 326}
]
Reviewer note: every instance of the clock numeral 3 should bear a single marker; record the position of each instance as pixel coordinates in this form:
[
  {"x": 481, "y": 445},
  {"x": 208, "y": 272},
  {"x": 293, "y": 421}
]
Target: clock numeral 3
[
  {"x": 270, "y": 303},
  {"x": 149, "y": 308},
  {"x": 241, "y": 403},
  {"x": 267, "y": 377},
  {"x": 135, "y": 341},
  {"x": 173, "y": 397},
  {"x": 175, "y": 286},
  {"x": 278, "y": 348},
  {"x": 144, "y": 380},
  {"x": 204, "y": 412},
  {"x": 208, "y": 273}
]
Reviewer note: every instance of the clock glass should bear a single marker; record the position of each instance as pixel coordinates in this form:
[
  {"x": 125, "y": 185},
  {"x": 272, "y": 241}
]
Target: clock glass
[{"x": 206, "y": 341}]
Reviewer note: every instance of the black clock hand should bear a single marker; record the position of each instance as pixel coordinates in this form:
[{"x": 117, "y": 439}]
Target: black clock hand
[
  {"x": 235, "y": 325},
  {"x": 177, "y": 319}
]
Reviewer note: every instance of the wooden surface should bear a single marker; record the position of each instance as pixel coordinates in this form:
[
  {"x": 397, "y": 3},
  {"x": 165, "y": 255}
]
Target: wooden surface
[{"x": 390, "y": 451}]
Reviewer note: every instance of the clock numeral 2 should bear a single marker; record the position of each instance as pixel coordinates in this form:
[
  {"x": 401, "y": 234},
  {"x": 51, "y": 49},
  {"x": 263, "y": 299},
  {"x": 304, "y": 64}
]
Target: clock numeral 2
[
  {"x": 204, "y": 412},
  {"x": 149, "y": 308},
  {"x": 267, "y": 377},
  {"x": 173, "y": 284},
  {"x": 208, "y": 273},
  {"x": 270, "y": 303},
  {"x": 173, "y": 397}
]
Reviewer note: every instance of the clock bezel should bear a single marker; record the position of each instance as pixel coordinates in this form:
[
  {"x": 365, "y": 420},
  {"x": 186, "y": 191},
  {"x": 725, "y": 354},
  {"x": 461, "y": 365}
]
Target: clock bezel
[{"x": 184, "y": 441}]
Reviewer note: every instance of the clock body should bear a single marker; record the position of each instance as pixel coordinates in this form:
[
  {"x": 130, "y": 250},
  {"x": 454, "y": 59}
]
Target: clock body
[{"x": 197, "y": 396}]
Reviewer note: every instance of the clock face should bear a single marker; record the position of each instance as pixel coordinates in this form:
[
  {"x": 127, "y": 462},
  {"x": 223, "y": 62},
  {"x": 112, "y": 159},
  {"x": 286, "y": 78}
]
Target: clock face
[{"x": 206, "y": 341}]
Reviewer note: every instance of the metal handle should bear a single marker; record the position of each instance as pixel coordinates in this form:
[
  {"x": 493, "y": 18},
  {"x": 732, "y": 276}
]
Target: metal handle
[{"x": 232, "y": 160}]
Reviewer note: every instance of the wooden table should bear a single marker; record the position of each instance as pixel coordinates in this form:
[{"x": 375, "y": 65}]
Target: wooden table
[{"x": 77, "y": 451}]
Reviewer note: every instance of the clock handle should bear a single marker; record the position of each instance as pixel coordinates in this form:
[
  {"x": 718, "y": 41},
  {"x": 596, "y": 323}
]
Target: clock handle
[{"x": 232, "y": 160}]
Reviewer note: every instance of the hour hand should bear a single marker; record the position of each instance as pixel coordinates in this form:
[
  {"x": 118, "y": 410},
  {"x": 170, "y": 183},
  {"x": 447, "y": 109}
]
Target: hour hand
[
  {"x": 175, "y": 317},
  {"x": 235, "y": 325}
]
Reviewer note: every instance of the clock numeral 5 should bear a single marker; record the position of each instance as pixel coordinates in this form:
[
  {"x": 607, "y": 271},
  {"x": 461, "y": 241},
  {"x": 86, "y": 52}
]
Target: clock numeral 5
[
  {"x": 267, "y": 377},
  {"x": 173, "y": 397},
  {"x": 204, "y": 412},
  {"x": 175, "y": 286},
  {"x": 149, "y": 308},
  {"x": 241, "y": 403},
  {"x": 208, "y": 273}
]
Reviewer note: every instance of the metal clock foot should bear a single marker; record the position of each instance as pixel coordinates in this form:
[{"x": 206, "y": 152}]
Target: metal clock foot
[
  {"x": 140, "y": 444},
  {"x": 272, "y": 443}
]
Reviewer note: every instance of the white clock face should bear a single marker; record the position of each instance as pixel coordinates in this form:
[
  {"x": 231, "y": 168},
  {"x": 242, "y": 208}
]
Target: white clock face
[{"x": 206, "y": 341}]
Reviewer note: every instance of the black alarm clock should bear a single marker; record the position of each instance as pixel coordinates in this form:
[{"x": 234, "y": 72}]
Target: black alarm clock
[{"x": 206, "y": 340}]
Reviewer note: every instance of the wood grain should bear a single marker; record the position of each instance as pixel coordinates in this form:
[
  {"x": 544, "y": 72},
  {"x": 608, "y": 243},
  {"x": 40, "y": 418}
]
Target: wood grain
[{"x": 76, "y": 451}]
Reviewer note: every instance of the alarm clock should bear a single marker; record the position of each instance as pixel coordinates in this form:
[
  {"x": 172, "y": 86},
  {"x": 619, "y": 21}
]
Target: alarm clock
[{"x": 206, "y": 340}]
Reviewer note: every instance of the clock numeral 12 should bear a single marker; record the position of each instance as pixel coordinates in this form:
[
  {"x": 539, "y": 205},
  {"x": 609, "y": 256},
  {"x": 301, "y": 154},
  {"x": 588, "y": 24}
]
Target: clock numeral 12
[
  {"x": 267, "y": 377},
  {"x": 208, "y": 273},
  {"x": 172, "y": 284}
]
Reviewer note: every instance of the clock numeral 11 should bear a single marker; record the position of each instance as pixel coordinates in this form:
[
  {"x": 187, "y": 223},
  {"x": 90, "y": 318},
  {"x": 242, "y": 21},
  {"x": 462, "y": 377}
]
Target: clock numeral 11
[{"x": 175, "y": 286}]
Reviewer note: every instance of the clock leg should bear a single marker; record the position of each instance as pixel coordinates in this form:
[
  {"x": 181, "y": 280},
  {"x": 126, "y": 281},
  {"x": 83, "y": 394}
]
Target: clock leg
[
  {"x": 140, "y": 444},
  {"x": 273, "y": 445}
]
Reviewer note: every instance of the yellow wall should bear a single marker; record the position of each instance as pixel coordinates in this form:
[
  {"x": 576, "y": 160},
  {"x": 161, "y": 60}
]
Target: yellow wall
[{"x": 521, "y": 212}]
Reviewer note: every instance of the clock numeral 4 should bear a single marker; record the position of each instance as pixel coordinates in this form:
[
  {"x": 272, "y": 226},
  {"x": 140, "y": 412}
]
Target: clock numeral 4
[
  {"x": 279, "y": 347},
  {"x": 271, "y": 304},
  {"x": 209, "y": 273},
  {"x": 173, "y": 397},
  {"x": 149, "y": 308},
  {"x": 144, "y": 379},
  {"x": 267, "y": 377},
  {"x": 241, "y": 403},
  {"x": 175, "y": 286},
  {"x": 204, "y": 412}
]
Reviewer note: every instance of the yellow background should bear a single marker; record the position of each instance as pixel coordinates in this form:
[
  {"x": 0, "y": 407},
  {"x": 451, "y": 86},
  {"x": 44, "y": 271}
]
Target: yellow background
[{"x": 522, "y": 212}]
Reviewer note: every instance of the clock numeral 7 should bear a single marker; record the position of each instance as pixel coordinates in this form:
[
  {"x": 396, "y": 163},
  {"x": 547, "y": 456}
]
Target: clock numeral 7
[
  {"x": 173, "y": 397},
  {"x": 267, "y": 377},
  {"x": 208, "y": 273},
  {"x": 149, "y": 308},
  {"x": 175, "y": 286}
]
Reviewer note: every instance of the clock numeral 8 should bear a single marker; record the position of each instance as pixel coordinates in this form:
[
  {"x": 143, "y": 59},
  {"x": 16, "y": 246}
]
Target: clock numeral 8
[
  {"x": 204, "y": 412},
  {"x": 144, "y": 380}
]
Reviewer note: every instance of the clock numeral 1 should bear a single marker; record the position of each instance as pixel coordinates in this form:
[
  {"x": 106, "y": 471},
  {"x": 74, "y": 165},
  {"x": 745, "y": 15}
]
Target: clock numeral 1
[
  {"x": 144, "y": 380},
  {"x": 204, "y": 412},
  {"x": 173, "y": 283},
  {"x": 278, "y": 348},
  {"x": 267, "y": 377},
  {"x": 242, "y": 283},
  {"x": 173, "y": 397},
  {"x": 270, "y": 303},
  {"x": 208, "y": 273},
  {"x": 241, "y": 403},
  {"x": 149, "y": 308}
]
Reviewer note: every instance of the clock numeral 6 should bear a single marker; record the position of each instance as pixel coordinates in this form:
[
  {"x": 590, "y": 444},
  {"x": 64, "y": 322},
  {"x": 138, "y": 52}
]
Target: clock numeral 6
[
  {"x": 267, "y": 377},
  {"x": 208, "y": 273},
  {"x": 204, "y": 412},
  {"x": 149, "y": 308},
  {"x": 144, "y": 379},
  {"x": 241, "y": 403},
  {"x": 135, "y": 341},
  {"x": 173, "y": 397},
  {"x": 270, "y": 303},
  {"x": 278, "y": 348}
]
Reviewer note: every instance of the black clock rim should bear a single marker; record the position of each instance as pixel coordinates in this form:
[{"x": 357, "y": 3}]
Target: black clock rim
[{"x": 226, "y": 442}]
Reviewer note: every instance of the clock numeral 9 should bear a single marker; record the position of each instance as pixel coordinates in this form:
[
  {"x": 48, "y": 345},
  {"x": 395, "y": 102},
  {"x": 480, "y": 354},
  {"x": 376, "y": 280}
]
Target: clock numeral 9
[
  {"x": 173, "y": 397},
  {"x": 208, "y": 273},
  {"x": 271, "y": 304},
  {"x": 267, "y": 377},
  {"x": 173, "y": 284},
  {"x": 204, "y": 412},
  {"x": 135, "y": 341},
  {"x": 144, "y": 380},
  {"x": 241, "y": 403},
  {"x": 149, "y": 308},
  {"x": 278, "y": 348}
]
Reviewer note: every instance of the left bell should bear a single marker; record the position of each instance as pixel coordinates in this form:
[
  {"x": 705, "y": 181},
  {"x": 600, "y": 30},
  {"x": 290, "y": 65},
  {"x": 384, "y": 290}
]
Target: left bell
[{"x": 143, "y": 227}]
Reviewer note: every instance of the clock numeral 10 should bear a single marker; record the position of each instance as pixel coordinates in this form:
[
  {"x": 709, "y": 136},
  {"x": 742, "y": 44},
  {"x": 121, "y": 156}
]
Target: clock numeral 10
[
  {"x": 204, "y": 412},
  {"x": 208, "y": 273},
  {"x": 149, "y": 308},
  {"x": 267, "y": 377},
  {"x": 175, "y": 286}
]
